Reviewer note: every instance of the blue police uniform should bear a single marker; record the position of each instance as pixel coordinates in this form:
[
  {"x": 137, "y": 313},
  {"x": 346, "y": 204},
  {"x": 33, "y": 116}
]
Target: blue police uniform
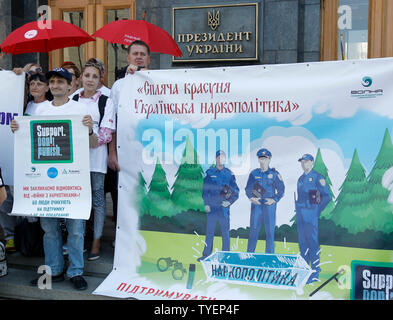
[
  {"x": 216, "y": 184},
  {"x": 273, "y": 188},
  {"x": 308, "y": 210}
]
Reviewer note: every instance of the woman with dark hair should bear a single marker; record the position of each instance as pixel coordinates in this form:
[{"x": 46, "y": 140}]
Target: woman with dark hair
[{"x": 39, "y": 90}]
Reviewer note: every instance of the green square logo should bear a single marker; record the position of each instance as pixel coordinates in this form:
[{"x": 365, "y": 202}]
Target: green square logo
[
  {"x": 51, "y": 141},
  {"x": 371, "y": 280}
]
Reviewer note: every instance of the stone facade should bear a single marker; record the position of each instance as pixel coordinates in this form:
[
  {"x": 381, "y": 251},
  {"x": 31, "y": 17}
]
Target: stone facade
[
  {"x": 5, "y": 29},
  {"x": 290, "y": 29}
]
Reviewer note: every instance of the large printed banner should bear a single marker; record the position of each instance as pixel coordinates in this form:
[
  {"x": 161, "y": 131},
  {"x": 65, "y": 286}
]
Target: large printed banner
[
  {"x": 257, "y": 182},
  {"x": 52, "y": 169},
  {"x": 12, "y": 92}
]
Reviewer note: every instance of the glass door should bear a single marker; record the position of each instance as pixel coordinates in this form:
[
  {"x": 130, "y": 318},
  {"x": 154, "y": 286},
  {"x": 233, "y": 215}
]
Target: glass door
[
  {"x": 75, "y": 54},
  {"x": 113, "y": 55},
  {"x": 91, "y": 16},
  {"x": 79, "y": 13},
  {"x": 116, "y": 54},
  {"x": 356, "y": 29},
  {"x": 353, "y": 29}
]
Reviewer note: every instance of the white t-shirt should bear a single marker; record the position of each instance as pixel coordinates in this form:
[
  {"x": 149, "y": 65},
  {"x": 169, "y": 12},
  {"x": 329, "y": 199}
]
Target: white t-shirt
[
  {"x": 70, "y": 108},
  {"x": 104, "y": 90},
  {"x": 99, "y": 155},
  {"x": 115, "y": 93},
  {"x": 32, "y": 107}
]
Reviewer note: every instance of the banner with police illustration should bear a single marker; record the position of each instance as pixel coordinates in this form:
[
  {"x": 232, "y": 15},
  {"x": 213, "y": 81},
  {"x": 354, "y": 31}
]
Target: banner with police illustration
[
  {"x": 256, "y": 182},
  {"x": 52, "y": 169},
  {"x": 11, "y": 105}
]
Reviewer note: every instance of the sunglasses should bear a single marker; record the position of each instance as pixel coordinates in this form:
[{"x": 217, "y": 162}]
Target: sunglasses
[{"x": 37, "y": 70}]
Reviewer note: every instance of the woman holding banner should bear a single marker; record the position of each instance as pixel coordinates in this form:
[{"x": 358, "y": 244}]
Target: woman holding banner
[{"x": 102, "y": 111}]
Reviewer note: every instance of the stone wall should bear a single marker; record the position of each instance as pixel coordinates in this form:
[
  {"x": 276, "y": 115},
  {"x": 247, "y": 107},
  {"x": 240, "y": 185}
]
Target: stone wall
[
  {"x": 5, "y": 29},
  {"x": 14, "y": 14},
  {"x": 290, "y": 29}
]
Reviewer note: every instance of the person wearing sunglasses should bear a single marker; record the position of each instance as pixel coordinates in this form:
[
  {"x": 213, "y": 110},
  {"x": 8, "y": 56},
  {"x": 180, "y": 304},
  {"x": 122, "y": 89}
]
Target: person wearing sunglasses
[{"x": 32, "y": 68}]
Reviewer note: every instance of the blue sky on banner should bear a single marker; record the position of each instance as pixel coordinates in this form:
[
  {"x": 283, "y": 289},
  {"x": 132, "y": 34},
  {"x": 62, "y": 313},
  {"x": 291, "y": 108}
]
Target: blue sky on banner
[{"x": 364, "y": 131}]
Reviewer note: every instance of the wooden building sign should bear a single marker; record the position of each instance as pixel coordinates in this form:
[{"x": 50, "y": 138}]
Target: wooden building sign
[{"x": 216, "y": 32}]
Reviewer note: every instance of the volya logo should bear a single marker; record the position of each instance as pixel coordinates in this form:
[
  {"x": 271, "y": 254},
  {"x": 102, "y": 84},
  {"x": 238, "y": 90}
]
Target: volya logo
[
  {"x": 366, "y": 91},
  {"x": 367, "y": 82}
]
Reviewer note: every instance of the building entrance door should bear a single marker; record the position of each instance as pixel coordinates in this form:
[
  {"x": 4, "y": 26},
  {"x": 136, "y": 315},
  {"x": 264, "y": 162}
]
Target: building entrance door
[{"x": 91, "y": 15}]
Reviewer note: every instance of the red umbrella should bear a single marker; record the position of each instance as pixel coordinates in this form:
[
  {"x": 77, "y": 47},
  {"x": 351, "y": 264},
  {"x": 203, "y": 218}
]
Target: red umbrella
[
  {"x": 127, "y": 31},
  {"x": 32, "y": 37}
]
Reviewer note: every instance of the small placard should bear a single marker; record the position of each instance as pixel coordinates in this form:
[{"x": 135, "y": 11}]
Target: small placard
[
  {"x": 51, "y": 141},
  {"x": 372, "y": 280}
]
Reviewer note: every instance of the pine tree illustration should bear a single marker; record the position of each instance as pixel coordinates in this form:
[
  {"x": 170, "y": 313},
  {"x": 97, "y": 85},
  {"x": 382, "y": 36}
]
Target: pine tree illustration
[
  {"x": 352, "y": 210},
  {"x": 320, "y": 167},
  {"x": 141, "y": 200},
  {"x": 160, "y": 204},
  {"x": 382, "y": 217},
  {"x": 188, "y": 186}
]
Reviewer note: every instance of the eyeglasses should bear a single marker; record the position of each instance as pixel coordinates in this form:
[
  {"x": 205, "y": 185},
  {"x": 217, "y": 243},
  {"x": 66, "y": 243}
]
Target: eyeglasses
[{"x": 37, "y": 70}]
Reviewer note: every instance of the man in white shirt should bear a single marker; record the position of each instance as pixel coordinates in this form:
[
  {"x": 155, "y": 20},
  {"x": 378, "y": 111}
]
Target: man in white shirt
[
  {"x": 138, "y": 58},
  {"x": 59, "y": 84}
]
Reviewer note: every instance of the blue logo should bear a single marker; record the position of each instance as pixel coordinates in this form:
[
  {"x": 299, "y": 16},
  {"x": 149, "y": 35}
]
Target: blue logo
[
  {"x": 367, "y": 82},
  {"x": 52, "y": 172}
]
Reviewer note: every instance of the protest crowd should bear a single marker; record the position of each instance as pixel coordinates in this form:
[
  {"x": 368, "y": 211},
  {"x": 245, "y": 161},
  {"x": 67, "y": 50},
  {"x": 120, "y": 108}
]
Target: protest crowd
[{"x": 66, "y": 90}]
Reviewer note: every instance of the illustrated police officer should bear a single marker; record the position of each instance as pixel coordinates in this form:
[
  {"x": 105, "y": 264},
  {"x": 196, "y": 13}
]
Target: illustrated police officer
[
  {"x": 313, "y": 197},
  {"x": 265, "y": 188},
  {"x": 220, "y": 191}
]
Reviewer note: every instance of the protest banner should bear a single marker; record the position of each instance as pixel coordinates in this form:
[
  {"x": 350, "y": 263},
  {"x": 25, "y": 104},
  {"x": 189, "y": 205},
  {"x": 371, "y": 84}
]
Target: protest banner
[
  {"x": 52, "y": 170},
  {"x": 197, "y": 148},
  {"x": 11, "y": 105}
]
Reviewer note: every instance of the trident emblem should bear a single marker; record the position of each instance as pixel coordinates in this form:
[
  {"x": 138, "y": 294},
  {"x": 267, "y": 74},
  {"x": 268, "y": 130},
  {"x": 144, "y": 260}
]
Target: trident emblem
[{"x": 213, "y": 19}]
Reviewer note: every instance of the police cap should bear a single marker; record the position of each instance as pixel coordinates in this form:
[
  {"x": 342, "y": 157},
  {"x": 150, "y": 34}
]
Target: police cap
[
  {"x": 264, "y": 153},
  {"x": 307, "y": 157},
  {"x": 219, "y": 153}
]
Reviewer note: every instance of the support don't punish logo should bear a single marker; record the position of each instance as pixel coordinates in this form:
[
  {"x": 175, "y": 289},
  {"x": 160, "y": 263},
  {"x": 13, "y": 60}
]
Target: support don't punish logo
[{"x": 51, "y": 141}]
